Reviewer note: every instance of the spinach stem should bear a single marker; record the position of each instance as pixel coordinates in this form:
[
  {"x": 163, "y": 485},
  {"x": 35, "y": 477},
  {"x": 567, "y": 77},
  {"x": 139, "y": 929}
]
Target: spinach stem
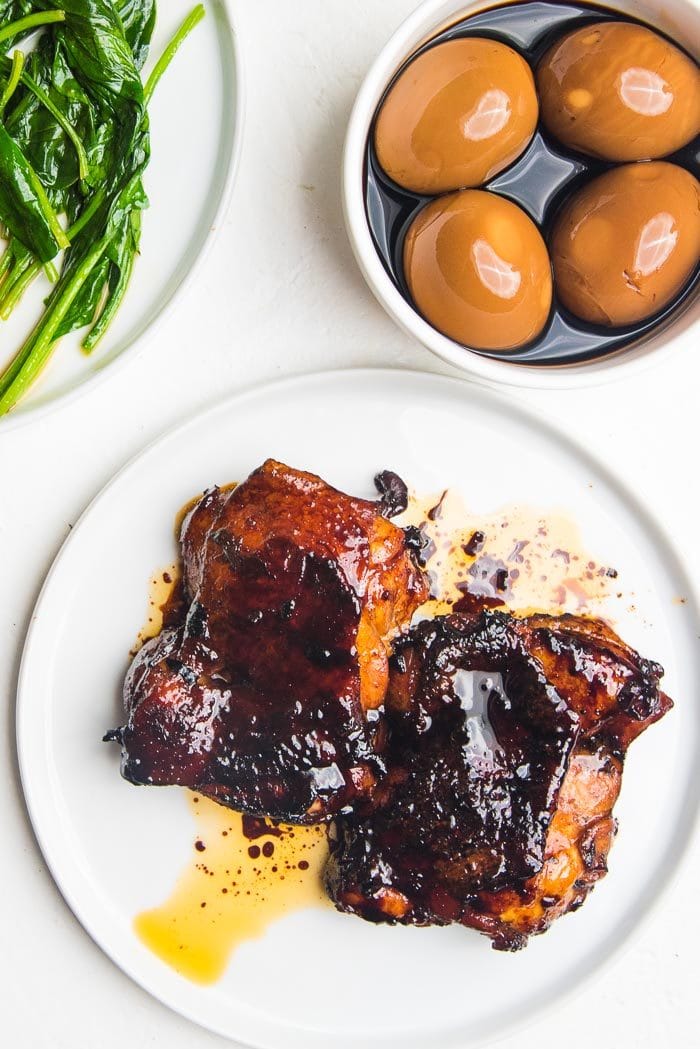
[
  {"x": 86, "y": 214},
  {"x": 196, "y": 15},
  {"x": 19, "y": 110},
  {"x": 31, "y": 22},
  {"x": 38, "y": 348},
  {"x": 96, "y": 333},
  {"x": 13, "y": 80},
  {"x": 83, "y": 164},
  {"x": 17, "y": 289},
  {"x": 19, "y": 265},
  {"x": 51, "y": 272},
  {"x": 5, "y": 262},
  {"x": 12, "y": 292},
  {"x": 45, "y": 204}
]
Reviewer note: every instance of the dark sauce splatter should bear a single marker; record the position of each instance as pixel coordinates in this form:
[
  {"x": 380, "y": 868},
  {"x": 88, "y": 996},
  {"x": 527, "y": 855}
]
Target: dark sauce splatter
[
  {"x": 474, "y": 544},
  {"x": 393, "y": 493},
  {"x": 435, "y": 513},
  {"x": 258, "y": 827}
]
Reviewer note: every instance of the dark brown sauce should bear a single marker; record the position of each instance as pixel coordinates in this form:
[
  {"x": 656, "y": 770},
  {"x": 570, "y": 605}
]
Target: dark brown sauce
[
  {"x": 166, "y": 604},
  {"x": 260, "y": 827},
  {"x": 539, "y": 181}
]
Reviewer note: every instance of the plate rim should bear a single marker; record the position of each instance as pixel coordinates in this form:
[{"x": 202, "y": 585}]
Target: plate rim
[
  {"x": 454, "y": 1038},
  {"x": 14, "y": 420}
]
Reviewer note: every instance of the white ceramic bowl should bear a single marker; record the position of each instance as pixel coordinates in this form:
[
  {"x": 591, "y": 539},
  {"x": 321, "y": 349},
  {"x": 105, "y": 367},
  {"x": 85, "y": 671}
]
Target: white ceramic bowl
[{"x": 680, "y": 19}]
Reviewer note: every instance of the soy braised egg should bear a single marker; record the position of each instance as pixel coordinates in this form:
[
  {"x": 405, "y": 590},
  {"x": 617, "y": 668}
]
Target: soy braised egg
[
  {"x": 625, "y": 245},
  {"x": 458, "y": 114},
  {"x": 619, "y": 91},
  {"x": 478, "y": 270}
]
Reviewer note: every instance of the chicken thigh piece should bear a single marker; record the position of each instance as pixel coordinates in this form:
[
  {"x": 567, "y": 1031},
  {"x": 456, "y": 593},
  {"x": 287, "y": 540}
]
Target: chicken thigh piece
[
  {"x": 266, "y": 695},
  {"x": 507, "y": 741}
]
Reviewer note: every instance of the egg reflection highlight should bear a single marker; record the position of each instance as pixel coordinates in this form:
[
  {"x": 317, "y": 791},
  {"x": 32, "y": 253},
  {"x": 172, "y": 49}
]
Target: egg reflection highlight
[
  {"x": 626, "y": 244},
  {"x": 490, "y": 115},
  {"x": 478, "y": 270},
  {"x": 497, "y": 275},
  {"x": 657, "y": 239},
  {"x": 457, "y": 115},
  {"x": 645, "y": 92},
  {"x": 619, "y": 91}
]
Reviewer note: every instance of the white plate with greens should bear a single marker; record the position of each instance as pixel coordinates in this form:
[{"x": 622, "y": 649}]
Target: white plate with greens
[{"x": 195, "y": 116}]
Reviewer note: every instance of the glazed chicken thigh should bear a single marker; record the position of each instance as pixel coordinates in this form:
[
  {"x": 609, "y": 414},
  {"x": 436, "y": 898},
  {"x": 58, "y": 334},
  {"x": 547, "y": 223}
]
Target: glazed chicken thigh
[
  {"x": 507, "y": 740},
  {"x": 266, "y": 695},
  {"x": 467, "y": 765}
]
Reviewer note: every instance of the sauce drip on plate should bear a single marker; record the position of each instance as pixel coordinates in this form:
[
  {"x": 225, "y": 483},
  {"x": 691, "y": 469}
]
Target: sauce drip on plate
[
  {"x": 519, "y": 558},
  {"x": 235, "y": 886}
]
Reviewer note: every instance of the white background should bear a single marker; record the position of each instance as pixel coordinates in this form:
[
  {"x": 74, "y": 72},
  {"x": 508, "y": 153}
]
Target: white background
[{"x": 280, "y": 294}]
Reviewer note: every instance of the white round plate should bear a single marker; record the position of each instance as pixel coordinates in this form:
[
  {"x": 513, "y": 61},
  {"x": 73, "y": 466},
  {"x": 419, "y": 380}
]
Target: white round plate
[
  {"x": 318, "y": 978},
  {"x": 196, "y": 132}
]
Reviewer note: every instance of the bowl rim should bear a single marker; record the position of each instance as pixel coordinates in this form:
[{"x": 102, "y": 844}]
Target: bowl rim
[
  {"x": 424, "y": 23},
  {"x": 23, "y": 417}
]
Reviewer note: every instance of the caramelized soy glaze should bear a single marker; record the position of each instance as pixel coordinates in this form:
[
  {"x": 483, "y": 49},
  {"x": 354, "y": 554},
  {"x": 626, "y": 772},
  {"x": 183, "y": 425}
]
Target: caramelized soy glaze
[
  {"x": 192, "y": 503},
  {"x": 507, "y": 741},
  {"x": 261, "y": 695}
]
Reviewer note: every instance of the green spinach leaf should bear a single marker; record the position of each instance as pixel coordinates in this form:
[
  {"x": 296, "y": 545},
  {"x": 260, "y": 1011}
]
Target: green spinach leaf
[
  {"x": 24, "y": 206},
  {"x": 138, "y": 17},
  {"x": 99, "y": 53}
]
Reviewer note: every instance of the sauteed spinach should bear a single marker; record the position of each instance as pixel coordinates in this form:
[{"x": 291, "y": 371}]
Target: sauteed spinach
[{"x": 74, "y": 142}]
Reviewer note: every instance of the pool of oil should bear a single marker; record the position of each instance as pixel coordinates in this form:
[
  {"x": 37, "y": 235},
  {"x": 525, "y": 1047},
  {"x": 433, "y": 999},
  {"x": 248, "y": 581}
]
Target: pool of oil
[{"x": 236, "y": 884}]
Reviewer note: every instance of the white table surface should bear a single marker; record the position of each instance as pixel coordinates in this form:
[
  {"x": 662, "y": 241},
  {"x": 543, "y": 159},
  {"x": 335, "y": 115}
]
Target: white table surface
[{"x": 280, "y": 294}]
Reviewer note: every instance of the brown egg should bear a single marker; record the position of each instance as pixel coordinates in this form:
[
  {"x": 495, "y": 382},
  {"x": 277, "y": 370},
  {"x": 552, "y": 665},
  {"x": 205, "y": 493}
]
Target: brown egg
[
  {"x": 618, "y": 91},
  {"x": 461, "y": 112},
  {"x": 624, "y": 246},
  {"x": 478, "y": 270}
]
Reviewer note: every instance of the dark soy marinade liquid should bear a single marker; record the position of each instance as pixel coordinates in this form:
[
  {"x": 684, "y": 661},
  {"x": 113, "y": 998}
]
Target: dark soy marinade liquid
[{"x": 540, "y": 181}]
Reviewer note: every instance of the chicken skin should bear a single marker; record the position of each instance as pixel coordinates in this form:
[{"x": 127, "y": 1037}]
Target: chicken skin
[
  {"x": 507, "y": 741},
  {"x": 265, "y": 696}
]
